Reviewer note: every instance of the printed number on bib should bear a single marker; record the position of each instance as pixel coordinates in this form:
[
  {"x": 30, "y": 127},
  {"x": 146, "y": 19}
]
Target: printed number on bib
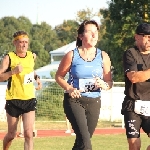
[
  {"x": 29, "y": 78},
  {"x": 87, "y": 85},
  {"x": 142, "y": 107}
]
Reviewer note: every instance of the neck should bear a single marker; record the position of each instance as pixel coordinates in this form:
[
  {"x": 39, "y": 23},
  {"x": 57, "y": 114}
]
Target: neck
[
  {"x": 88, "y": 50},
  {"x": 143, "y": 50},
  {"x": 20, "y": 54}
]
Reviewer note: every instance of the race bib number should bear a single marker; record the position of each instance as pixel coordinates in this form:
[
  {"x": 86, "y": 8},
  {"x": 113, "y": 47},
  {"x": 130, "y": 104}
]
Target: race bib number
[
  {"x": 87, "y": 85},
  {"x": 29, "y": 78},
  {"x": 142, "y": 107}
]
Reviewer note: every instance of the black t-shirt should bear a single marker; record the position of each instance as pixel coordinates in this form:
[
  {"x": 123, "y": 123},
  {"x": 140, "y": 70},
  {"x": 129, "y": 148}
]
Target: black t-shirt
[{"x": 133, "y": 60}]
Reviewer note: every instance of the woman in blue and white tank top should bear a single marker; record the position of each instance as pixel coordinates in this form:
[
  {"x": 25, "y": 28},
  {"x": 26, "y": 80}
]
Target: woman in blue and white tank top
[{"x": 89, "y": 72}]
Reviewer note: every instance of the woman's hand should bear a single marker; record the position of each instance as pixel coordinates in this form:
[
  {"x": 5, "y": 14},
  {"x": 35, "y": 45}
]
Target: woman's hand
[
  {"x": 74, "y": 92},
  {"x": 99, "y": 83}
]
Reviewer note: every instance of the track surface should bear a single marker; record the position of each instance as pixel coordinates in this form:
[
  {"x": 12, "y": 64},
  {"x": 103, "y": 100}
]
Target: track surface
[{"x": 52, "y": 133}]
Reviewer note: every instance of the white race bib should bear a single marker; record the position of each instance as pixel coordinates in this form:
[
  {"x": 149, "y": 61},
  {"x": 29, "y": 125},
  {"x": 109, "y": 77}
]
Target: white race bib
[
  {"x": 87, "y": 85},
  {"x": 142, "y": 107},
  {"x": 29, "y": 78}
]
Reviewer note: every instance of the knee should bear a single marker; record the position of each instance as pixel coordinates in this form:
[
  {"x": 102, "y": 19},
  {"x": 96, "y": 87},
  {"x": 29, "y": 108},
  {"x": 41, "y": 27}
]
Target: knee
[
  {"x": 134, "y": 143},
  {"x": 11, "y": 135},
  {"x": 28, "y": 134}
]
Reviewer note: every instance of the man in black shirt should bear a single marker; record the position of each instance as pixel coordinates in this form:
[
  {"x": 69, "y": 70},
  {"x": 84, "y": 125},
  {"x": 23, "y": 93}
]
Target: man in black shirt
[{"x": 136, "y": 104}]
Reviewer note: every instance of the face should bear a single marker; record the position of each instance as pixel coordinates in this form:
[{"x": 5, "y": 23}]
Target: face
[
  {"x": 21, "y": 45},
  {"x": 143, "y": 42},
  {"x": 90, "y": 35}
]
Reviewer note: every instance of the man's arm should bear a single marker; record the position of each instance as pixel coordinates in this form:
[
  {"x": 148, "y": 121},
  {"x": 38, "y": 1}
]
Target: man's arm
[
  {"x": 3, "y": 67},
  {"x": 138, "y": 76},
  {"x": 36, "y": 77},
  {"x": 131, "y": 70},
  {"x": 38, "y": 81}
]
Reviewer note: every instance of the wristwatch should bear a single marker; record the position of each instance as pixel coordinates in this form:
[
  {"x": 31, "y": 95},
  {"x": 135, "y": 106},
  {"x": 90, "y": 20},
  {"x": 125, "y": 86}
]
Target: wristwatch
[{"x": 36, "y": 77}]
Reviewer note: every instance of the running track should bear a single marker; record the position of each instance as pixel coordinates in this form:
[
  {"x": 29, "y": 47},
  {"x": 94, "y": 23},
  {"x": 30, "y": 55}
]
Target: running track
[{"x": 52, "y": 133}]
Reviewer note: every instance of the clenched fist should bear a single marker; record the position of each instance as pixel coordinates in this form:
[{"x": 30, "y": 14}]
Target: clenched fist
[{"x": 17, "y": 69}]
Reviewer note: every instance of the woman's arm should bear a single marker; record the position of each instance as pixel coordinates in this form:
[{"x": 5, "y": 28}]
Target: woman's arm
[
  {"x": 63, "y": 68},
  {"x": 105, "y": 83},
  {"x": 107, "y": 75}
]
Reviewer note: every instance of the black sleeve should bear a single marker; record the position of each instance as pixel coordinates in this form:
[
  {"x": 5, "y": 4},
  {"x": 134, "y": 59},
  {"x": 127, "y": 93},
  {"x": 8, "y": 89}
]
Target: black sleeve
[{"x": 129, "y": 62}]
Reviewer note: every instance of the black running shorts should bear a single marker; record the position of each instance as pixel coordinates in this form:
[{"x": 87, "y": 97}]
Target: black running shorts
[
  {"x": 15, "y": 108},
  {"x": 133, "y": 123}
]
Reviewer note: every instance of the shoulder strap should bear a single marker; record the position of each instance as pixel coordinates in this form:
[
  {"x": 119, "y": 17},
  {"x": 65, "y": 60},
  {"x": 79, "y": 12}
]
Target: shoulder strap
[{"x": 100, "y": 51}]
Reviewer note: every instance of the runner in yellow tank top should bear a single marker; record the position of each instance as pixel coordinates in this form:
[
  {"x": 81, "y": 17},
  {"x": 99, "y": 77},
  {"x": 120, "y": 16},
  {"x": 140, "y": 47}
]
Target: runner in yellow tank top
[
  {"x": 18, "y": 68},
  {"x": 21, "y": 85}
]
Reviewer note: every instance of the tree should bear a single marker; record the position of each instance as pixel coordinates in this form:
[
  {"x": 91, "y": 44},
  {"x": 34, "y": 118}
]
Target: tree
[
  {"x": 118, "y": 27},
  {"x": 66, "y": 32},
  {"x": 24, "y": 24},
  {"x": 86, "y": 14},
  {"x": 43, "y": 57}
]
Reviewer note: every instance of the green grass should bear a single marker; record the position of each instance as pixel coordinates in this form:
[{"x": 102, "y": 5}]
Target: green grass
[
  {"x": 99, "y": 142},
  {"x": 41, "y": 125}
]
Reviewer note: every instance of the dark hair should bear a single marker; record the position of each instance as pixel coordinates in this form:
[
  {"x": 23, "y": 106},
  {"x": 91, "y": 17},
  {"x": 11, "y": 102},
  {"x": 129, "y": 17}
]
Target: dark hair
[
  {"x": 82, "y": 28},
  {"x": 19, "y": 33}
]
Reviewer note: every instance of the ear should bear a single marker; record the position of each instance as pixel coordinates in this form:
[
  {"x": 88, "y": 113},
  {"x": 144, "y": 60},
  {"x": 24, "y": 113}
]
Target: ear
[
  {"x": 14, "y": 42},
  {"x": 80, "y": 36},
  {"x": 136, "y": 37}
]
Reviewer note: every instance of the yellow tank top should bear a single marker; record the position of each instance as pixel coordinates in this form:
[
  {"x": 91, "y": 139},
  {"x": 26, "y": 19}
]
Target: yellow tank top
[{"x": 20, "y": 86}]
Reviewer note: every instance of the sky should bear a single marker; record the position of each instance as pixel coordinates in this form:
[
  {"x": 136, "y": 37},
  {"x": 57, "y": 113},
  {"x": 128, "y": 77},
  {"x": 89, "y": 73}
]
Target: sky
[{"x": 53, "y": 12}]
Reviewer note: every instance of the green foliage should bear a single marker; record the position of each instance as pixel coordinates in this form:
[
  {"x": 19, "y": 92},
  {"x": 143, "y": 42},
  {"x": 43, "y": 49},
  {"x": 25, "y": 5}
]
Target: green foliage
[
  {"x": 52, "y": 73},
  {"x": 45, "y": 35},
  {"x": 118, "y": 27},
  {"x": 118, "y": 24},
  {"x": 43, "y": 56},
  {"x": 86, "y": 14},
  {"x": 67, "y": 32}
]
